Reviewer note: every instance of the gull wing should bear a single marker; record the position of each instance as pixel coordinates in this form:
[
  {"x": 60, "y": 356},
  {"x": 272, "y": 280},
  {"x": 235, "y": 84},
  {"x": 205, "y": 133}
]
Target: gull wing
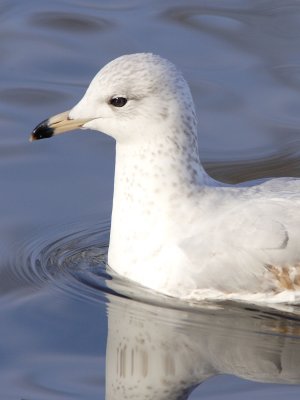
[{"x": 242, "y": 242}]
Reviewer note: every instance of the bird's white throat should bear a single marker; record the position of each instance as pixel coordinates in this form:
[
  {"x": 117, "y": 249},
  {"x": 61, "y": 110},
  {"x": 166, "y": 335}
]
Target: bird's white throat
[{"x": 152, "y": 177}]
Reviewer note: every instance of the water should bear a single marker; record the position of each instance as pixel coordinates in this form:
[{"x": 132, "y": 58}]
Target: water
[{"x": 65, "y": 320}]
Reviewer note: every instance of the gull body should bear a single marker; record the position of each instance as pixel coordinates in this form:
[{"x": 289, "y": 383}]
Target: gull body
[{"x": 175, "y": 229}]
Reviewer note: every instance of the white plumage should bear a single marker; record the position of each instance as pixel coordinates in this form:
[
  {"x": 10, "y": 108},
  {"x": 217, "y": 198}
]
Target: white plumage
[{"x": 175, "y": 229}]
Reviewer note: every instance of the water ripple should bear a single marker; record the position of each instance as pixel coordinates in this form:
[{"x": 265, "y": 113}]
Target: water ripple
[
  {"x": 61, "y": 256},
  {"x": 70, "y": 22}
]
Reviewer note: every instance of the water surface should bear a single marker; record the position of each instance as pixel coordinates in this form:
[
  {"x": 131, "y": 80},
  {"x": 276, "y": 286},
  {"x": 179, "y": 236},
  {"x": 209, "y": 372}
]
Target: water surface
[{"x": 64, "y": 319}]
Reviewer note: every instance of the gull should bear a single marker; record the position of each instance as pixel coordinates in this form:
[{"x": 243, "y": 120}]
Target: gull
[{"x": 174, "y": 229}]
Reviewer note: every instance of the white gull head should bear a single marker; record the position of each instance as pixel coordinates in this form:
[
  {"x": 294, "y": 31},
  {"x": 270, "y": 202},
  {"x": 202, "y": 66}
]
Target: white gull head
[{"x": 133, "y": 96}]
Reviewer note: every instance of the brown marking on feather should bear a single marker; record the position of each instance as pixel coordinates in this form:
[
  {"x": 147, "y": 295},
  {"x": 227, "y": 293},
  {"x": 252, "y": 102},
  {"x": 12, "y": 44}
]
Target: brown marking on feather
[
  {"x": 297, "y": 280},
  {"x": 285, "y": 276},
  {"x": 286, "y": 330}
]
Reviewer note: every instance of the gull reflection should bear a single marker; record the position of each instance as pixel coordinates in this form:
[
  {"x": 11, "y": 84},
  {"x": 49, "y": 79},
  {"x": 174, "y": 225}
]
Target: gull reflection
[{"x": 155, "y": 352}]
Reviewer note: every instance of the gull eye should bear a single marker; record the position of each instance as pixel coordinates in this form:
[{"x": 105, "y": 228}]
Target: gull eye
[{"x": 118, "y": 101}]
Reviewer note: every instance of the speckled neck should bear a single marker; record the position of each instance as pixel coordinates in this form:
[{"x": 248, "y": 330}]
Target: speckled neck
[{"x": 151, "y": 179}]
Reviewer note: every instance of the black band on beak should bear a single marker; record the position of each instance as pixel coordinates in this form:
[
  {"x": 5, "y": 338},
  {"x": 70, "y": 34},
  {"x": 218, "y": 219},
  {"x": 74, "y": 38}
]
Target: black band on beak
[{"x": 42, "y": 131}]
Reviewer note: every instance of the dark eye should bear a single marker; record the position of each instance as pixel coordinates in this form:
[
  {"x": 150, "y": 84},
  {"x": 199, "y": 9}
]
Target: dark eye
[{"x": 118, "y": 101}]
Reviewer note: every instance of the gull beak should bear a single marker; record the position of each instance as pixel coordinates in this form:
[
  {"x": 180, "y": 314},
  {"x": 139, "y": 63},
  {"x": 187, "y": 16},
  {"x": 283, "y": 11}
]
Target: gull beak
[{"x": 55, "y": 125}]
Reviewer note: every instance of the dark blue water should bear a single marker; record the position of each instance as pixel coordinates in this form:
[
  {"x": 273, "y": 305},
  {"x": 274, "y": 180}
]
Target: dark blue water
[{"x": 68, "y": 327}]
